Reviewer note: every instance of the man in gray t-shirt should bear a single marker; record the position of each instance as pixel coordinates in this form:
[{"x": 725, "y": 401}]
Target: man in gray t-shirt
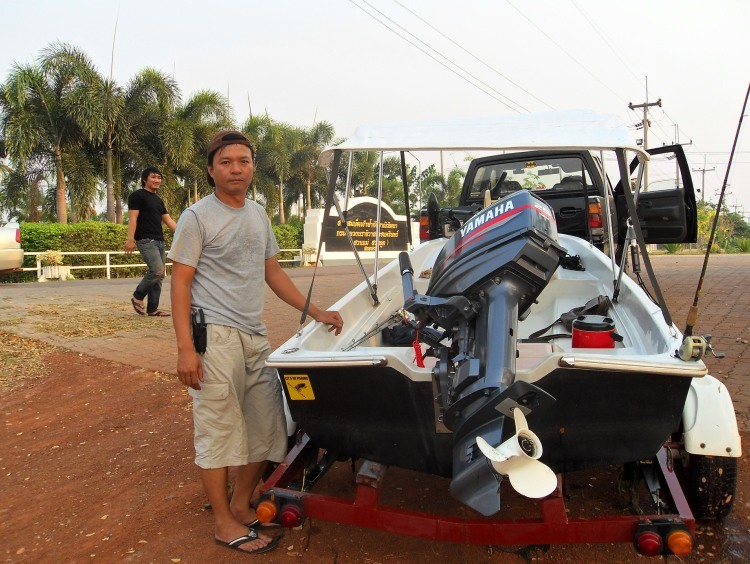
[{"x": 223, "y": 252}]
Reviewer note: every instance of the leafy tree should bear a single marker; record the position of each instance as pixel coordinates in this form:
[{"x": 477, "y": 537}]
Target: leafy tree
[
  {"x": 48, "y": 113},
  {"x": 21, "y": 196},
  {"x": 364, "y": 172},
  {"x": 393, "y": 187},
  {"x": 110, "y": 101},
  {"x": 82, "y": 169},
  {"x": 728, "y": 227},
  {"x": 185, "y": 137},
  {"x": 274, "y": 158},
  {"x": 74, "y": 138},
  {"x": 447, "y": 189},
  {"x": 255, "y": 128},
  {"x": 150, "y": 99},
  {"x": 314, "y": 140}
]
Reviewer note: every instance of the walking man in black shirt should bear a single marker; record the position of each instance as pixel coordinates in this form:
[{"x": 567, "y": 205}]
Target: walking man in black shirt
[{"x": 146, "y": 212}]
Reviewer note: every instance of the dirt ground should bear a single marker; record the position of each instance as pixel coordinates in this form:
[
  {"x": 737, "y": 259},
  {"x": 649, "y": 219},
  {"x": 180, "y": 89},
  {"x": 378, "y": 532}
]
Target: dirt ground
[{"x": 97, "y": 461}]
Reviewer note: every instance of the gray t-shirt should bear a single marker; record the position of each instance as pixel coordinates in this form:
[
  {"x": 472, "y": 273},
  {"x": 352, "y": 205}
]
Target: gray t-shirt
[{"x": 228, "y": 248}]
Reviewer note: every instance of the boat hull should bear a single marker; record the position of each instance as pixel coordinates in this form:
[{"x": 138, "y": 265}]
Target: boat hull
[
  {"x": 373, "y": 413},
  {"x": 598, "y": 418}
]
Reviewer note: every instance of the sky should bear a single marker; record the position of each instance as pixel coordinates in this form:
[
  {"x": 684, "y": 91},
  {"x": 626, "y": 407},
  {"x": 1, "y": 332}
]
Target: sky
[{"x": 351, "y": 62}]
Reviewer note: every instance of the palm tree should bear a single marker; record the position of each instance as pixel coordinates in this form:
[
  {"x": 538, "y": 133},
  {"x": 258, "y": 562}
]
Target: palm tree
[
  {"x": 275, "y": 153},
  {"x": 17, "y": 193},
  {"x": 83, "y": 170},
  {"x": 149, "y": 100},
  {"x": 364, "y": 172},
  {"x": 255, "y": 129},
  {"x": 314, "y": 140},
  {"x": 49, "y": 111},
  {"x": 186, "y": 134},
  {"x": 447, "y": 189},
  {"x": 112, "y": 104}
]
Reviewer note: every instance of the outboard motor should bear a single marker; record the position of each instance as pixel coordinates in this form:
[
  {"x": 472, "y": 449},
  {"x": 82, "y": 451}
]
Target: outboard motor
[{"x": 485, "y": 277}]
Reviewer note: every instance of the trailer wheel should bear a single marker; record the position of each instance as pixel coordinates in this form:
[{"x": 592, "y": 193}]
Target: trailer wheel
[{"x": 711, "y": 485}]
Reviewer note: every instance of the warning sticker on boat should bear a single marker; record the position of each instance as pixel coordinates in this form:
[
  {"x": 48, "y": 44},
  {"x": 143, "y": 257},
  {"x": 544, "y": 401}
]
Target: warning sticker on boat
[{"x": 299, "y": 387}]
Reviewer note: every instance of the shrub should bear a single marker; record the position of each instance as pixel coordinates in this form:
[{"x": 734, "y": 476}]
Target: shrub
[
  {"x": 673, "y": 248},
  {"x": 87, "y": 236},
  {"x": 743, "y": 245},
  {"x": 288, "y": 236},
  {"x": 103, "y": 236}
]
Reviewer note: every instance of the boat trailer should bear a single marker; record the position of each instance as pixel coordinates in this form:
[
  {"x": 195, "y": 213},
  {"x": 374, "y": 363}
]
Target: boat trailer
[{"x": 286, "y": 499}]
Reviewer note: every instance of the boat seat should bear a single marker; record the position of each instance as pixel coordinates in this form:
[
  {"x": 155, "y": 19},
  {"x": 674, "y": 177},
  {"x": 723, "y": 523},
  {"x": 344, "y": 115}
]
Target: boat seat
[{"x": 531, "y": 354}]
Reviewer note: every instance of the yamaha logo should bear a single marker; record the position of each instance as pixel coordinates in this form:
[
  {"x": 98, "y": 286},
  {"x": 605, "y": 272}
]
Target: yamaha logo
[{"x": 488, "y": 215}]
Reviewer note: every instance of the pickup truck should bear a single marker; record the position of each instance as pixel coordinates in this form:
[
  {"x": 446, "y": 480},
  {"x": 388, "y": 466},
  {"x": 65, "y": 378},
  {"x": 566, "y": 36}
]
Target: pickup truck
[
  {"x": 11, "y": 253},
  {"x": 575, "y": 184}
]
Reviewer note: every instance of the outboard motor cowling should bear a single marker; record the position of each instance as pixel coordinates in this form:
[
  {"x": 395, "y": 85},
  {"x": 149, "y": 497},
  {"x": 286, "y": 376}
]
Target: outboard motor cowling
[
  {"x": 486, "y": 276},
  {"x": 492, "y": 240}
]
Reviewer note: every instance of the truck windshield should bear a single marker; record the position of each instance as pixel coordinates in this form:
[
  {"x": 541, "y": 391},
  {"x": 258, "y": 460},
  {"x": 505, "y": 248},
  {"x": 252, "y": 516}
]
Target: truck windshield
[{"x": 558, "y": 174}]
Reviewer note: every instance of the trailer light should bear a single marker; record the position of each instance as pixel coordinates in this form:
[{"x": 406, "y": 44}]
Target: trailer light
[
  {"x": 291, "y": 516},
  {"x": 266, "y": 511},
  {"x": 680, "y": 542},
  {"x": 649, "y": 543}
]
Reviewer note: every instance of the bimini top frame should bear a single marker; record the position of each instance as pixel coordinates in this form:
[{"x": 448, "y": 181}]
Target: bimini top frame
[{"x": 571, "y": 129}]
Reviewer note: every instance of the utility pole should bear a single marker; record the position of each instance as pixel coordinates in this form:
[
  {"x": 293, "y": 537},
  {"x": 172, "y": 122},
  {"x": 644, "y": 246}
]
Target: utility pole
[
  {"x": 703, "y": 172},
  {"x": 646, "y": 105}
]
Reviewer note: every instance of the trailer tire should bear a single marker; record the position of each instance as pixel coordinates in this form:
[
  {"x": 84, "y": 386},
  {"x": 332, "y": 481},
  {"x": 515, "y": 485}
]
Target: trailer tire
[{"x": 711, "y": 485}]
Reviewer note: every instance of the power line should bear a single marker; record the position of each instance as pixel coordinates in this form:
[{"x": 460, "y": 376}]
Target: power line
[
  {"x": 473, "y": 55},
  {"x": 561, "y": 48},
  {"x": 454, "y": 71},
  {"x": 657, "y": 121},
  {"x": 607, "y": 42}
]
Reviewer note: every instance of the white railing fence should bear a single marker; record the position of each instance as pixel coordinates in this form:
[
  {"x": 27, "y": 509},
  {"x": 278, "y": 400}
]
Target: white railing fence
[{"x": 43, "y": 272}]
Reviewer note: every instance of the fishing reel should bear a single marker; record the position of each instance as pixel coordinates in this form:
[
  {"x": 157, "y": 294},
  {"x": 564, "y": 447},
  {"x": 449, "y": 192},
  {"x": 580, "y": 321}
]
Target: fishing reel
[{"x": 694, "y": 348}]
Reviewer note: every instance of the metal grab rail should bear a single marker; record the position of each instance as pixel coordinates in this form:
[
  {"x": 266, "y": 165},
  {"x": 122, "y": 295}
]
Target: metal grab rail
[{"x": 108, "y": 266}]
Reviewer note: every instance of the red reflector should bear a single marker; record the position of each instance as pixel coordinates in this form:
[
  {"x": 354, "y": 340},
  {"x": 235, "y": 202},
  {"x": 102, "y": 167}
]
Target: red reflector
[
  {"x": 18, "y": 236},
  {"x": 291, "y": 516},
  {"x": 649, "y": 543}
]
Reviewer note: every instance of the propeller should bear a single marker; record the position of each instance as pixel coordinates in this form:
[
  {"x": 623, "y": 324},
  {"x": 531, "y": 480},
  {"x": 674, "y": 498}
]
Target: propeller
[{"x": 517, "y": 458}]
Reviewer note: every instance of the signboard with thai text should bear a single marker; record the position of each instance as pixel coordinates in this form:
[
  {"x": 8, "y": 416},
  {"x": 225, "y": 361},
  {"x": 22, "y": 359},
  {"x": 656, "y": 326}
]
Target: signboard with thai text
[{"x": 361, "y": 219}]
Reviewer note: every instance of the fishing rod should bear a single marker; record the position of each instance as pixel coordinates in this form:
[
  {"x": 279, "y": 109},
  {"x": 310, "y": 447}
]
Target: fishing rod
[{"x": 693, "y": 313}]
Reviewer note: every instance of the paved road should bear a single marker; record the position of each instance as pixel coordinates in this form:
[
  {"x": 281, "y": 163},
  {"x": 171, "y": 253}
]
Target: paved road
[{"x": 64, "y": 314}]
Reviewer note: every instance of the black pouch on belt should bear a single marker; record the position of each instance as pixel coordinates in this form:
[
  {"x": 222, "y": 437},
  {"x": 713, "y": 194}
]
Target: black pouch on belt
[{"x": 199, "y": 330}]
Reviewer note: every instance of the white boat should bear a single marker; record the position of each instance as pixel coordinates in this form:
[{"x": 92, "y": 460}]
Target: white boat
[{"x": 497, "y": 389}]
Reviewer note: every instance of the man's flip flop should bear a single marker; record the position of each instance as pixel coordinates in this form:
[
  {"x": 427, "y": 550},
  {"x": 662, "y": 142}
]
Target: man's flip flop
[
  {"x": 138, "y": 306},
  {"x": 255, "y": 524},
  {"x": 251, "y": 536},
  {"x": 159, "y": 313}
]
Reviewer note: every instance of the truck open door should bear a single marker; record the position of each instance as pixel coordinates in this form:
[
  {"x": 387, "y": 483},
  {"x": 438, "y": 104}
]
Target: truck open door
[{"x": 666, "y": 205}]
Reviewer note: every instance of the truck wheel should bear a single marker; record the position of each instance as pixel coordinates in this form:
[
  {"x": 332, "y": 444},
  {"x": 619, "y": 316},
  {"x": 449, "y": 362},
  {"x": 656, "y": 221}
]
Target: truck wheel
[{"x": 711, "y": 485}]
